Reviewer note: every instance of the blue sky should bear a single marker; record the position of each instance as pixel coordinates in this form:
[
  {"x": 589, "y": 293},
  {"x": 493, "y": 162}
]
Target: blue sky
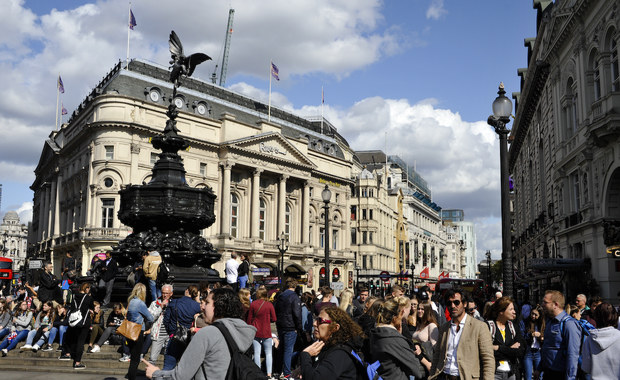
[{"x": 421, "y": 72}]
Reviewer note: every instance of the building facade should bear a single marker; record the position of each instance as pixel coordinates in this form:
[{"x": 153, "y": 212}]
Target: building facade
[
  {"x": 565, "y": 156},
  {"x": 267, "y": 174},
  {"x": 14, "y": 239}
]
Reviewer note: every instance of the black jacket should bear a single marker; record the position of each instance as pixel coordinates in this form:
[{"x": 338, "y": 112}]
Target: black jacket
[
  {"x": 244, "y": 268},
  {"x": 391, "y": 349},
  {"x": 84, "y": 307},
  {"x": 504, "y": 352},
  {"x": 108, "y": 271},
  {"x": 48, "y": 283},
  {"x": 288, "y": 311},
  {"x": 335, "y": 363}
]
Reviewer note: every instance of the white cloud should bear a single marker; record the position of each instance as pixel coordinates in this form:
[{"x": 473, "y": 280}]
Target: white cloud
[
  {"x": 435, "y": 10},
  {"x": 25, "y": 212}
]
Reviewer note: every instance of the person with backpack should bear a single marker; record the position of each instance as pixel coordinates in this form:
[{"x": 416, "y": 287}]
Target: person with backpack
[
  {"x": 600, "y": 349},
  {"x": 397, "y": 359},
  {"x": 508, "y": 343},
  {"x": 208, "y": 354},
  {"x": 559, "y": 357},
  {"x": 79, "y": 328},
  {"x": 337, "y": 338}
]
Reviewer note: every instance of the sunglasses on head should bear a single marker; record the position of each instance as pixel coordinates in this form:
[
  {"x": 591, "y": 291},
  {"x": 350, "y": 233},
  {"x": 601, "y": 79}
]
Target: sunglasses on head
[
  {"x": 455, "y": 302},
  {"x": 321, "y": 321}
]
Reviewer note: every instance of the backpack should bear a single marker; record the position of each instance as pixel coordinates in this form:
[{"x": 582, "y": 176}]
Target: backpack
[
  {"x": 241, "y": 367},
  {"x": 75, "y": 317},
  {"x": 585, "y": 332},
  {"x": 365, "y": 371},
  {"x": 162, "y": 273},
  {"x": 493, "y": 328}
]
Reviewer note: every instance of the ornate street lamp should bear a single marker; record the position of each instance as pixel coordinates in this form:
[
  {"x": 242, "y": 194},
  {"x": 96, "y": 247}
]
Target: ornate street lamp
[
  {"x": 502, "y": 108},
  {"x": 282, "y": 247},
  {"x": 327, "y": 196}
]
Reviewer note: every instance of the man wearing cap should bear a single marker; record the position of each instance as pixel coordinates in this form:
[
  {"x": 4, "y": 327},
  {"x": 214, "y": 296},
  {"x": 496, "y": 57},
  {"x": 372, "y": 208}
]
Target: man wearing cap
[{"x": 150, "y": 267}]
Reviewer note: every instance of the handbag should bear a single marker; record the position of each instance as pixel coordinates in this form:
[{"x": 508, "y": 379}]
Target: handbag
[
  {"x": 129, "y": 330},
  {"x": 182, "y": 335}
]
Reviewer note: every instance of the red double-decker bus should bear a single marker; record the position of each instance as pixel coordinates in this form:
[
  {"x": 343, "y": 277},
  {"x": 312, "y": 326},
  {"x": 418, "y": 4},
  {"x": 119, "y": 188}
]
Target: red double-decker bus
[{"x": 6, "y": 268}]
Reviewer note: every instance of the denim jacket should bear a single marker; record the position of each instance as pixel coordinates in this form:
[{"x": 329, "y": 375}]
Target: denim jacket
[{"x": 137, "y": 312}]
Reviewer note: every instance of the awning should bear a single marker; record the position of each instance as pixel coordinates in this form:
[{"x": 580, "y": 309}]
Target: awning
[{"x": 295, "y": 269}]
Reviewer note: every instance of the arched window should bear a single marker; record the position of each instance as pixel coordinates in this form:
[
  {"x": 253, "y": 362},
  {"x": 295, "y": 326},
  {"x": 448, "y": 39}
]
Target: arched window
[
  {"x": 597, "y": 78},
  {"x": 234, "y": 214},
  {"x": 615, "y": 74},
  {"x": 569, "y": 108},
  {"x": 261, "y": 219}
]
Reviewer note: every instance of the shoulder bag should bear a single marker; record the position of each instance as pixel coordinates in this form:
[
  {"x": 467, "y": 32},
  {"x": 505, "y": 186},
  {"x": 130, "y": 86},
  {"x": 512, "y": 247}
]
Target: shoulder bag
[{"x": 129, "y": 330}]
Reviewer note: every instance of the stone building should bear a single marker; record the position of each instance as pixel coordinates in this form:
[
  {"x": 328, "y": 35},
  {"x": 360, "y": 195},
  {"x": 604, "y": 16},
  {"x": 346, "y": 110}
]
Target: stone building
[
  {"x": 565, "y": 156},
  {"x": 14, "y": 240},
  {"x": 267, "y": 174}
]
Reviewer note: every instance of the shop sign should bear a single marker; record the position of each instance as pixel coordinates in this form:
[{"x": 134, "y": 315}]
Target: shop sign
[
  {"x": 337, "y": 285},
  {"x": 385, "y": 276},
  {"x": 270, "y": 281},
  {"x": 555, "y": 264},
  {"x": 261, "y": 271},
  {"x": 35, "y": 264},
  {"x": 614, "y": 250}
]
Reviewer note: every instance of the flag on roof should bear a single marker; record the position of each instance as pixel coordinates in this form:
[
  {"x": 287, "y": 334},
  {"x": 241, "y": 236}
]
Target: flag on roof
[
  {"x": 132, "y": 20},
  {"x": 63, "y": 109},
  {"x": 275, "y": 72},
  {"x": 61, "y": 87}
]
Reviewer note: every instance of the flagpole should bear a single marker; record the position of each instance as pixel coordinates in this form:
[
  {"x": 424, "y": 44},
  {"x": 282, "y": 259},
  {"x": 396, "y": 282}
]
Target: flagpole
[
  {"x": 270, "y": 75},
  {"x": 57, "y": 99},
  {"x": 128, "y": 33},
  {"x": 322, "y": 103}
]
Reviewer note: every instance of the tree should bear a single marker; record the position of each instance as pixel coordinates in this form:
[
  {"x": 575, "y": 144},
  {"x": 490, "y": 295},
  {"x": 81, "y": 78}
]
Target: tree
[{"x": 497, "y": 270}]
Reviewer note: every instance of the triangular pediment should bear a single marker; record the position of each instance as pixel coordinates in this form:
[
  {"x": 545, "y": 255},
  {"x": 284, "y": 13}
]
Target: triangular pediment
[{"x": 273, "y": 146}]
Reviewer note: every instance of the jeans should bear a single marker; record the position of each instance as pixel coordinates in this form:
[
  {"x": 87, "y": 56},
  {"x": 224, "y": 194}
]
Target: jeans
[
  {"x": 243, "y": 280},
  {"x": 173, "y": 354},
  {"x": 108, "y": 285},
  {"x": 54, "y": 331},
  {"x": 267, "y": 344},
  {"x": 21, "y": 335},
  {"x": 4, "y": 332},
  {"x": 106, "y": 335},
  {"x": 287, "y": 342},
  {"x": 157, "y": 345},
  {"x": 155, "y": 291},
  {"x": 530, "y": 361},
  {"x": 30, "y": 337}
]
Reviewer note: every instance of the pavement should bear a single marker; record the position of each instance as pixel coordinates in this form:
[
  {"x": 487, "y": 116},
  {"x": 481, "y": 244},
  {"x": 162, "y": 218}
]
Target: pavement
[{"x": 32, "y": 375}]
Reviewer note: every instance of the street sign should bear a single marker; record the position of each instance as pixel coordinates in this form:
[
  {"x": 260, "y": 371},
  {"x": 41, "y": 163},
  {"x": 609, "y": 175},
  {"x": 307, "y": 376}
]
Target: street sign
[
  {"x": 385, "y": 276},
  {"x": 261, "y": 271},
  {"x": 337, "y": 285},
  {"x": 35, "y": 264}
]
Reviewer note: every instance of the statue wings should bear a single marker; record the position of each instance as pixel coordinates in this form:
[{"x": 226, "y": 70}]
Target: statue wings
[{"x": 182, "y": 65}]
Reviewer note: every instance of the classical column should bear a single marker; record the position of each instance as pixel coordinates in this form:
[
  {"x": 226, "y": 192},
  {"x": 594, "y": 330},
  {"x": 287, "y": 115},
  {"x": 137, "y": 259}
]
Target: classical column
[
  {"x": 305, "y": 217},
  {"x": 281, "y": 204},
  {"x": 41, "y": 197},
  {"x": 56, "y": 229},
  {"x": 255, "y": 203},
  {"x": 225, "y": 198},
  {"x": 51, "y": 193}
]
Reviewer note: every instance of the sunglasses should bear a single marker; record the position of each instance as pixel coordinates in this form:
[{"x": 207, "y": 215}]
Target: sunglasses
[
  {"x": 455, "y": 302},
  {"x": 321, "y": 321}
]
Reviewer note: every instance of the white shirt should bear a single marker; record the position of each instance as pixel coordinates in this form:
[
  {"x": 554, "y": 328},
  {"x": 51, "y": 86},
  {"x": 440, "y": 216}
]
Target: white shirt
[
  {"x": 231, "y": 271},
  {"x": 454, "y": 337}
]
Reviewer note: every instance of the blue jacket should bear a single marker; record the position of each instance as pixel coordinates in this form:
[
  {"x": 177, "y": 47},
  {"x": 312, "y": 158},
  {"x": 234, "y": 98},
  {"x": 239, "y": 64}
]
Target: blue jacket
[
  {"x": 137, "y": 312},
  {"x": 185, "y": 308},
  {"x": 560, "y": 349},
  {"x": 288, "y": 311}
]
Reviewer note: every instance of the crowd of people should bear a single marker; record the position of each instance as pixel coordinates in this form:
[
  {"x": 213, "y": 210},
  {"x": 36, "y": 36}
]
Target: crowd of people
[{"x": 313, "y": 334}]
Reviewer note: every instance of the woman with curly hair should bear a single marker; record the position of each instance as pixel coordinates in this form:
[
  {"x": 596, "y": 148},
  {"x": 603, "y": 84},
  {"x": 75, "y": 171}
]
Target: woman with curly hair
[
  {"x": 337, "y": 335},
  {"x": 397, "y": 359}
]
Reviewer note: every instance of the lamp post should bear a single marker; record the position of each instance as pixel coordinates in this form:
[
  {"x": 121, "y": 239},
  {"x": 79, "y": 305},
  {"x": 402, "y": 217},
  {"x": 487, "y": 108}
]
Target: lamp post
[
  {"x": 282, "y": 247},
  {"x": 327, "y": 196},
  {"x": 502, "y": 108}
]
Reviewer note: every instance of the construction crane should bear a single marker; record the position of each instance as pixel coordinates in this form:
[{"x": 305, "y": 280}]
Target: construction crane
[{"x": 229, "y": 30}]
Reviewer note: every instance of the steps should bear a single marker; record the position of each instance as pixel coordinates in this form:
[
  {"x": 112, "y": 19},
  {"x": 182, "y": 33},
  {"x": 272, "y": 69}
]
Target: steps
[{"x": 104, "y": 362}]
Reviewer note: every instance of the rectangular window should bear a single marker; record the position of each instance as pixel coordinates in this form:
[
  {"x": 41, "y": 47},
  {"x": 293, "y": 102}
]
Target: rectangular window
[
  {"x": 370, "y": 214},
  {"x": 203, "y": 169},
  {"x": 107, "y": 213},
  {"x": 370, "y": 237},
  {"x": 363, "y": 214},
  {"x": 371, "y": 262},
  {"x": 365, "y": 267},
  {"x": 109, "y": 152},
  {"x": 310, "y": 191},
  {"x": 353, "y": 236},
  {"x": 364, "y": 237},
  {"x": 322, "y": 237},
  {"x": 597, "y": 80},
  {"x": 334, "y": 239},
  {"x": 576, "y": 193},
  {"x": 353, "y": 212},
  {"x": 154, "y": 157}
]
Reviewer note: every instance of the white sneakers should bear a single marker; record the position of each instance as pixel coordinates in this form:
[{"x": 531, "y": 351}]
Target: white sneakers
[
  {"x": 96, "y": 349},
  {"x": 26, "y": 347},
  {"x": 124, "y": 358}
]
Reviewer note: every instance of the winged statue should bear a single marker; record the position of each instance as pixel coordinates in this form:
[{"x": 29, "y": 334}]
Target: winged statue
[{"x": 182, "y": 65}]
